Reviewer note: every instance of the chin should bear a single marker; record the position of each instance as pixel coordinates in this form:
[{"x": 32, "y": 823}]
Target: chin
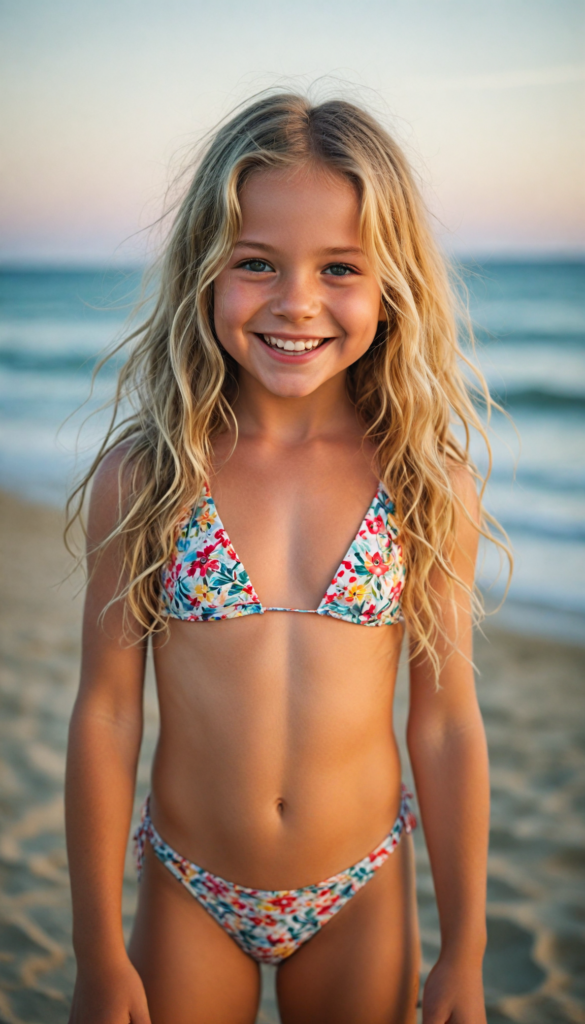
[{"x": 291, "y": 389}]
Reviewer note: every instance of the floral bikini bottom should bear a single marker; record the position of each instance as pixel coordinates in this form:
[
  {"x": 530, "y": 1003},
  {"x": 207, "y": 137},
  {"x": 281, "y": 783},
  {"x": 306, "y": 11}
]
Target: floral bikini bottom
[{"x": 271, "y": 925}]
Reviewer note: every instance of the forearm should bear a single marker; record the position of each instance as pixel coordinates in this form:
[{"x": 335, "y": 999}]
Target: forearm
[
  {"x": 450, "y": 767},
  {"x": 99, "y": 791}
]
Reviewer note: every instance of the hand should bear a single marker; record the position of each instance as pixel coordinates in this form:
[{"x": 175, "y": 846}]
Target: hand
[
  {"x": 109, "y": 995},
  {"x": 453, "y": 994}
]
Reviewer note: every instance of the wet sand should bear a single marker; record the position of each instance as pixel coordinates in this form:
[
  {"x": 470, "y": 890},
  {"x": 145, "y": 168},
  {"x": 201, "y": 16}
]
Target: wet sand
[{"x": 531, "y": 692}]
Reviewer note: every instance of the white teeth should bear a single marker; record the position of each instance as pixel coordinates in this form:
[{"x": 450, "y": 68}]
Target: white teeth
[{"x": 292, "y": 346}]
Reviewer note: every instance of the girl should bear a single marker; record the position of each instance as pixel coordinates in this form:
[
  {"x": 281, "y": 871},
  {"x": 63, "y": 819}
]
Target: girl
[{"x": 285, "y": 497}]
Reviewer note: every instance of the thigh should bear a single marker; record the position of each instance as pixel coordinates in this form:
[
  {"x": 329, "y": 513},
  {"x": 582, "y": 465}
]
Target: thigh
[
  {"x": 363, "y": 966},
  {"x": 193, "y": 972}
]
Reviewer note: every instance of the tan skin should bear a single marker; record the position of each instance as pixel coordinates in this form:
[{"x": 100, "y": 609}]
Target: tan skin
[{"x": 277, "y": 764}]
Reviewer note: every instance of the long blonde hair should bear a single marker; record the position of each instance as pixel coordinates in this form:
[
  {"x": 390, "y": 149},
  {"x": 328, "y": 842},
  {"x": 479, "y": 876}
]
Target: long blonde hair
[{"x": 408, "y": 388}]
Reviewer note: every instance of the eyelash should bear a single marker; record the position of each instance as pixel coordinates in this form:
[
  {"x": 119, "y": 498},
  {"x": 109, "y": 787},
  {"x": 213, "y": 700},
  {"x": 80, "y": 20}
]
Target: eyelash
[
  {"x": 345, "y": 266},
  {"x": 245, "y": 265}
]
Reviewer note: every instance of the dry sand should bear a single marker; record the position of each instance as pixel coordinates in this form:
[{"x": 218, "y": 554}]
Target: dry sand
[{"x": 531, "y": 692}]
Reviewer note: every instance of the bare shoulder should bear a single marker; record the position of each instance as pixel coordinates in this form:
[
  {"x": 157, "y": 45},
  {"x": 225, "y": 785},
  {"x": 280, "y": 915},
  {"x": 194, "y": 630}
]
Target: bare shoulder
[
  {"x": 467, "y": 521},
  {"x": 110, "y": 491},
  {"x": 464, "y": 487}
]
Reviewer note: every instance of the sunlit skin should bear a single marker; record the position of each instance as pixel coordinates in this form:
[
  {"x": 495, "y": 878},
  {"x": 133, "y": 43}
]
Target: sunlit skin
[
  {"x": 286, "y": 279},
  {"x": 277, "y": 764}
]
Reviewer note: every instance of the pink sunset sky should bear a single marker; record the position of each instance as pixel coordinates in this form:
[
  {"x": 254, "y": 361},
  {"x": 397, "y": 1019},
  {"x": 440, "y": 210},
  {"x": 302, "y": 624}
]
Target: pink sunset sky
[{"x": 102, "y": 100}]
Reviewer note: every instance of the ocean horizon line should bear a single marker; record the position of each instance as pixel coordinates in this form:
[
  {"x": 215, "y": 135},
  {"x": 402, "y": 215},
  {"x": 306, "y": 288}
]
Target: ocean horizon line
[{"x": 99, "y": 264}]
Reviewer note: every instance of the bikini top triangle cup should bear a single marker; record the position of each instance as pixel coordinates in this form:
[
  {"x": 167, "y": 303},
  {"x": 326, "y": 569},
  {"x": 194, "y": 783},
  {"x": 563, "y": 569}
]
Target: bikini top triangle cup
[{"x": 204, "y": 580}]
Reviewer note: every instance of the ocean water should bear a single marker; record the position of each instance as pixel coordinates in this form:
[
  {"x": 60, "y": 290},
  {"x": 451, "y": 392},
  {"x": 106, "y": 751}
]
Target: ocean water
[{"x": 530, "y": 324}]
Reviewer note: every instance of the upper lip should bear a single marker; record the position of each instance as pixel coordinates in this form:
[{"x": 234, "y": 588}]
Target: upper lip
[{"x": 285, "y": 336}]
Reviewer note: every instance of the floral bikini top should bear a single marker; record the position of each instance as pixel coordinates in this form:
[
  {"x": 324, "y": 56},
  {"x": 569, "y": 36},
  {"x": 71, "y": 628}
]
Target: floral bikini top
[{"x": 204, "y": 579}]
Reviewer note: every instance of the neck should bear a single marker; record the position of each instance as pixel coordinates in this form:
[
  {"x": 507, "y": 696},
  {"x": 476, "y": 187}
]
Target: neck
[{"x": 289, "y": 421}]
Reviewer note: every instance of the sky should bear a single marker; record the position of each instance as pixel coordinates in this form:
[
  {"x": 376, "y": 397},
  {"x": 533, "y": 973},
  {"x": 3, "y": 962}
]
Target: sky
[{"x": 103, "y": 100}]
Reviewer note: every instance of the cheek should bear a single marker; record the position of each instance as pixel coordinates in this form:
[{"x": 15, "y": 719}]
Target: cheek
[
  {"x": 233, "y": 305},
  {"x": 358, "y": 312}
]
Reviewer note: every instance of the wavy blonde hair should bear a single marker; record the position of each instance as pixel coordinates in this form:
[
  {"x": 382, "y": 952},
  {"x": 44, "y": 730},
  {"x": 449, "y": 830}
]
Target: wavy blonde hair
[{"x": 408, "y": 388}]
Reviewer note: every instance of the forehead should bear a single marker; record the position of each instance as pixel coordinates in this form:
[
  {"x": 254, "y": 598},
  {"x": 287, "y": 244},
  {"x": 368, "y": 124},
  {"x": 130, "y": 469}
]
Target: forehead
[{"x": 307, "y": 202}]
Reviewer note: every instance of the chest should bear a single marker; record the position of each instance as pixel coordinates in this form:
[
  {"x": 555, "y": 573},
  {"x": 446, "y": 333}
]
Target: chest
[{"x": 291, "y": 516}]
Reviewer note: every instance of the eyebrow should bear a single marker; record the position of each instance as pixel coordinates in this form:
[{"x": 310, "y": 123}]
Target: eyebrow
[
  {"x": 253, "y": 245},
  {"x": 353, "y": 250},
  {"x": 341, "y": 250}
]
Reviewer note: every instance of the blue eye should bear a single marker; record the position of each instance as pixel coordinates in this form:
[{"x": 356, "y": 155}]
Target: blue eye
[
  {"x": 256, "y": 266},
  {"x": 339, "y": 270}
]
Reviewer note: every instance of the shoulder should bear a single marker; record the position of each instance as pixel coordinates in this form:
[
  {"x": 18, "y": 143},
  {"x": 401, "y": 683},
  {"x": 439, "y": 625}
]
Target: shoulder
[
  {"x": 112, "y": 487},
  {"x": 464, "y": 488},
  {"x": 466, "y": 520}
]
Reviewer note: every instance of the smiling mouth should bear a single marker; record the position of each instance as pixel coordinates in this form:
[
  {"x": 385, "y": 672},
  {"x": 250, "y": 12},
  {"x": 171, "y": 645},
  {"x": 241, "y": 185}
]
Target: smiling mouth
[{"x": 292, "y": 347}]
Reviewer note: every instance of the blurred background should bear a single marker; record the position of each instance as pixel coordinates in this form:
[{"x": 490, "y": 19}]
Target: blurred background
[{"x": 103, "y": 104}]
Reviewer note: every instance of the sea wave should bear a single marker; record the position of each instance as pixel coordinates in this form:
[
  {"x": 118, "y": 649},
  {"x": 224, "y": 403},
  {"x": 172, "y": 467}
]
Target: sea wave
[
  {"x": 26, "y": 361},
  {"x": 553, "y": 479},
  {"x": 559, "y": 529},
  {"x": 571, "y": 399},
  {"x": 543, "y": 336}
]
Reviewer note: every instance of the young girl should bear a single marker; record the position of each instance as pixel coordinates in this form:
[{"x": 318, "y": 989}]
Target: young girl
[{"x": 285, "y": 498}]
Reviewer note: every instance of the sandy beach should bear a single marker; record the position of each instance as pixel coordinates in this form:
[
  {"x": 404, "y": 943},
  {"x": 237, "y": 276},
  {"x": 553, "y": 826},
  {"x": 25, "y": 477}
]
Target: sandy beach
[{"x": 531, "y": 692}]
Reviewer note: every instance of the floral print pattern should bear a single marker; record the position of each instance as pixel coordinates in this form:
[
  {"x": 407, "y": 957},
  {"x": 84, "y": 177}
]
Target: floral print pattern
[
  {"x": 271, "y": 925},
  {"x": 367, "y": 587},
  {"x": 205, "y": 580}
]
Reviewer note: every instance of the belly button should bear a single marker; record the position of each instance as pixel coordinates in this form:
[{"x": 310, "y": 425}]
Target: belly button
[{"x": 280, "y": 806}]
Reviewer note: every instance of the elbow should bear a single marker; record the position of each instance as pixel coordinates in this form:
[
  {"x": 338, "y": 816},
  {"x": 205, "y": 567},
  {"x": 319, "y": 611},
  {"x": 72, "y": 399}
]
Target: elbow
[
  {"x": 433, "y": 737},
  {"x": 95, "y": 716}
]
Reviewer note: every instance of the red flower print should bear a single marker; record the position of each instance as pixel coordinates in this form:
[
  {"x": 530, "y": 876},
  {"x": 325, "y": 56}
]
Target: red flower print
[
  {"x": 169, "y": 584},
  {"x": 222, "y": 537},
  {"x": 352, "y": 579},
  {"x": 375, "y": 525},
  {"x": 329, "y": 598},
  {"x": 203, "y": 563},
  {"x": 378, "y": 855},
  {"x": 283, "y": 902},
  {"x": 369, "y": 612},
  {"x": 216, "y": 886},
  {"x": 375, "y": 564},
  {"x": 174, "y": 568},
  {"x": 396, "y": 590},
  {"x": 346, "y": 565},
  {"x": 326, "y": 907}
]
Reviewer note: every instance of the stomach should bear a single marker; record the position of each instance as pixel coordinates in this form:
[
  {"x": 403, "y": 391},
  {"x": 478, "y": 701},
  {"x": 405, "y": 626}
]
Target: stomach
[{"x": 277, "y": 764}]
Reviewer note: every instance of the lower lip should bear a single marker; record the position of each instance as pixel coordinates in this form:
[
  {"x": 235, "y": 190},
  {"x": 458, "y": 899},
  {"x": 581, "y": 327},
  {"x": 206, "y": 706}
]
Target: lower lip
[{"x": 298, "y": 357}]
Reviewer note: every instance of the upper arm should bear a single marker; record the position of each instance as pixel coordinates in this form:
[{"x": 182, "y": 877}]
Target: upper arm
[
  {"x": 113, "y": 643},
  {"x": 455, "y": 699}
]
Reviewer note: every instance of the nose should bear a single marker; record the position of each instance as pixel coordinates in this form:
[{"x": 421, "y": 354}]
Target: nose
[{"x": 297, "y": 298}]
